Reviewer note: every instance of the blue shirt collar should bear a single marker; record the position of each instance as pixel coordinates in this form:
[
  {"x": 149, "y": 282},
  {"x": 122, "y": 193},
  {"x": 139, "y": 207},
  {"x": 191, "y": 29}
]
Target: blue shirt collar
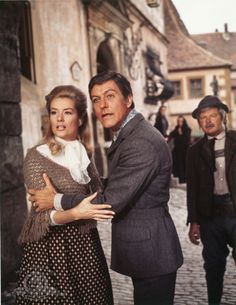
[{"x": 129, "y": 117}]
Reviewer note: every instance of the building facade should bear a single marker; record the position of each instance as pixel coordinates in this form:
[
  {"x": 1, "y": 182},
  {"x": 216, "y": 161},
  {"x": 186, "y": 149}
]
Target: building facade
[
  {"x": 223, "y": 44},
  {"x": 70, "y": 41},
  {"x": 194, "y": 72}
]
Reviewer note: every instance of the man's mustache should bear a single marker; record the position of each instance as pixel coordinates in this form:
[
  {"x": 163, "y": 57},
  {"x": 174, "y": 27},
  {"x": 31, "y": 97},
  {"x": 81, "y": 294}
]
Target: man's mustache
[{"x": 209, "y": 125}]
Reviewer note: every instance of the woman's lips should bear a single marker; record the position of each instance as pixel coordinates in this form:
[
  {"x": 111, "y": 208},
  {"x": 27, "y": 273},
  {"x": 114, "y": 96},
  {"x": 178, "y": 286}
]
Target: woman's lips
[{"x": 61, "y": 127}]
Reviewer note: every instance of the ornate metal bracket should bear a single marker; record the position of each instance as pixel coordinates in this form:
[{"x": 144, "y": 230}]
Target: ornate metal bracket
[{"x": 130, "y": 51}]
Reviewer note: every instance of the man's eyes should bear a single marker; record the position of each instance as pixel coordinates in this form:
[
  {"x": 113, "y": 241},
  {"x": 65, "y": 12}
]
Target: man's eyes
[
  {"x": 213, "y": 116},
  {"x": 95, "y": 100},
  {"x": 110, "y": 96}
]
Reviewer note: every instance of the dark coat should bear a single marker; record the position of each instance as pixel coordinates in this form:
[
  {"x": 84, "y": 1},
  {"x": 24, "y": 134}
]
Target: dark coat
[
  {"x": 200, "y": 178},
  {"x": 161, "y": 124},
  {"x": 179, "y": 152},
  {"x": 144, "y": 239}
]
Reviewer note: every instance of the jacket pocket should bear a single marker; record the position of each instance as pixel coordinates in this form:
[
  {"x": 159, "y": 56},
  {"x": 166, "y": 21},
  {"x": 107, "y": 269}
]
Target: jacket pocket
[{"x": 132, "y": 251}]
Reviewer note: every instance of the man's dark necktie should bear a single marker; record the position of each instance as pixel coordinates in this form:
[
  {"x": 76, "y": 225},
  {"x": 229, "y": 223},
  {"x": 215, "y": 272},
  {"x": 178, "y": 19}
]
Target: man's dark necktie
[{"x": 212, "y": 149}]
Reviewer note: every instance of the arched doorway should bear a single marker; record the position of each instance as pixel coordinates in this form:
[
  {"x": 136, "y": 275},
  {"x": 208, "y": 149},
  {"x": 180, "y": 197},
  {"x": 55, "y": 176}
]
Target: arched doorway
[{"x": 102, "y": 136}]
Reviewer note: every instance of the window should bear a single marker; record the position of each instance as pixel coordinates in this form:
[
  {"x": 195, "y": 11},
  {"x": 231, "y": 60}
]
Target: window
[
  {"x": 196, "y": 87},
  {"x": 177, "y": 89},
  {"x": 26, "y": 44}
]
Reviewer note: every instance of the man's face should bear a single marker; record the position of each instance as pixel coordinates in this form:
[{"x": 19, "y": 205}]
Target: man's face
[
  {"x": 210, "y": 121},
  {"x": 109, "y": 105}
]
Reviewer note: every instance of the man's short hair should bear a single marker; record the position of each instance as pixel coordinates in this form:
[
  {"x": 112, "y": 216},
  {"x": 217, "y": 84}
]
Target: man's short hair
[{"x": 120, "y": 80}]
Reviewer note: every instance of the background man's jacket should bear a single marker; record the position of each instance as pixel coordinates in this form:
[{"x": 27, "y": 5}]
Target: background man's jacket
[{"x": 200, "y": 178}]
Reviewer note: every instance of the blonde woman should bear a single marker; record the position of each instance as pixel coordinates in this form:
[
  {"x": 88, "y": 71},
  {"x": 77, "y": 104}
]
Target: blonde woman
[{"x": 63, "y": 263}]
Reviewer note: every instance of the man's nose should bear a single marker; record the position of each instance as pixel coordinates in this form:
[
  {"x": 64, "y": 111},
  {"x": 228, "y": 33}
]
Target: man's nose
[{"x": 103, "y": 103}]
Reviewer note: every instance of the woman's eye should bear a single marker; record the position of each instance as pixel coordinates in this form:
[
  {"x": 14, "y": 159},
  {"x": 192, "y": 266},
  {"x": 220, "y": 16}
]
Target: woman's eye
[
  {"x": 52, "y": 112},
  {"x": 68, "y": 112}
]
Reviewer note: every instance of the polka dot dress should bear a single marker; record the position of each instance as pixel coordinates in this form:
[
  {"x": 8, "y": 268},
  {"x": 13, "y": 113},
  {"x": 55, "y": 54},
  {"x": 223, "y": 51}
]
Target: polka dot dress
[{"x": 65, "y": 267}]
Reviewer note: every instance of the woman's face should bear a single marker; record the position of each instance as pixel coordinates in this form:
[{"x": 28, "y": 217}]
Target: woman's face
[
  {"x": 64, "y": 118},
  {"x": 180, "y": 122}
]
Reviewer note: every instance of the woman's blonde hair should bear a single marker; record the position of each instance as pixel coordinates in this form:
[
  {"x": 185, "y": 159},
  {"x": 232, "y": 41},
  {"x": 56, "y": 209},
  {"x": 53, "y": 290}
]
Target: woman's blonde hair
[{"x": 84, "y": 135}]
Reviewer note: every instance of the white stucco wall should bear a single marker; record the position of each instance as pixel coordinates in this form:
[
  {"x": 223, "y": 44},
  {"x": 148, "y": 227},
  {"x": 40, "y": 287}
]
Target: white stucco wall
[
  {"x": 154, "y": 14},
  {"x": 59, "y": 39}
]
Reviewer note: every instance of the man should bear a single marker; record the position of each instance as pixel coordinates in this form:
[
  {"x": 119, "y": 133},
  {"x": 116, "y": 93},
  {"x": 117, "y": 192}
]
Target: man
[
  {"x": 145, "y": 244},
  {"x": 211, "y": 192}
]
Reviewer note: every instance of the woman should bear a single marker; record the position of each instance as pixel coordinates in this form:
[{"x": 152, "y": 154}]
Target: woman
[
  {"x": 181, "y": 138},
  {"x": 64, "y": 264},
  {"x": 161, "y": 122}
]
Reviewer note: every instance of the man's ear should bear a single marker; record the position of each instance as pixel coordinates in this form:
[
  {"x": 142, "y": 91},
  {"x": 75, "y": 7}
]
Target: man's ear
[{"x": 129, "y": 101}]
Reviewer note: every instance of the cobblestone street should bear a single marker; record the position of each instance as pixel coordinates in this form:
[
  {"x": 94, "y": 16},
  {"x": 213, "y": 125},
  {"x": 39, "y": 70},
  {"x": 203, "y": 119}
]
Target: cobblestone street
[{"x": 191, "y": 287}]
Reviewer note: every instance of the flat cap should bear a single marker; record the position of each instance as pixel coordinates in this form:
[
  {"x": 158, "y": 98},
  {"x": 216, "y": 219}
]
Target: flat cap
[{"x": 209, "y": 101}]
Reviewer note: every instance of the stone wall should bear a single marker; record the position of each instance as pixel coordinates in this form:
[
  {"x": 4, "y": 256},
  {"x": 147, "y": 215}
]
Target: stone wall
[{"x": 13, "y": 203}]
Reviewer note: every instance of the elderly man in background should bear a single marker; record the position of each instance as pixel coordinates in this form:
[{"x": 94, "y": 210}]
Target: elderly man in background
[{"x": 211, "y": 192}]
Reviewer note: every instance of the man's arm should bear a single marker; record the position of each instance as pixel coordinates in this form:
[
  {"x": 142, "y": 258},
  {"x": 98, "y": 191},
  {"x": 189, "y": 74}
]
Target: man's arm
[
  {"x": 192, "y": 218},
  {"x": 44, "y": 199},
  {"x": 139, "y": 162},
  {"x": 84, "y": 210},
  {"x": 192, "y": 187},
  {"x": 194, "y": 233}
]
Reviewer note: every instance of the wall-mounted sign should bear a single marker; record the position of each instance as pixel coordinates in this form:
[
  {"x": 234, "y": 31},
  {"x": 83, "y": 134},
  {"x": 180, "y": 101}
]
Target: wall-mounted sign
[{"x": 76, "y": 71}]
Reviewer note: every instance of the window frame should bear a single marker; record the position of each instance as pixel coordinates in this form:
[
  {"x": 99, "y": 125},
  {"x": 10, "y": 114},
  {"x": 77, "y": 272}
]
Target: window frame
[
  {"x": 180, "y": 96},
  {"x": 26, "y": 46},
  {"x": 193, "y": 78}
]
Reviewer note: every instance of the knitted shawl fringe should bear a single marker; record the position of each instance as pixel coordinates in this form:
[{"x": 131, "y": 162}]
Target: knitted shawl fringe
[{"x": 37, "y": 225}]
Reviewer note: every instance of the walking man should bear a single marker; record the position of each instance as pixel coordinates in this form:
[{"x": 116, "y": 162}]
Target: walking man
[{"x": 211, "y": 192}]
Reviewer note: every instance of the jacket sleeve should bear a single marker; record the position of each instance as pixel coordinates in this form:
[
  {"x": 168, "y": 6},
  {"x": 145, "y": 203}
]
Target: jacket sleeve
[{"x": 192, "y": 187}]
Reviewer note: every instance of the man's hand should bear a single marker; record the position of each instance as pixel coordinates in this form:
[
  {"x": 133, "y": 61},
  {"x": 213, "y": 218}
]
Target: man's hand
[
  {"x": 194, "y": 233},
  {"x": 86, "y": 210},
  {"x": 43, "y": 199}
]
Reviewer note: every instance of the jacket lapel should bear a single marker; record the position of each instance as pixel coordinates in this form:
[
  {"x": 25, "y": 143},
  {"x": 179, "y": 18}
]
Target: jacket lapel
[
  {"x": 206, "y": 153},
  {"x": 129, "y": 127},
  {"x": 230, "y": 149}
]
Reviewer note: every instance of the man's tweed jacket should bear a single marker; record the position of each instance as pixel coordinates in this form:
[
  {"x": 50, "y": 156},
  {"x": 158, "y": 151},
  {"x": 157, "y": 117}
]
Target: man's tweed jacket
[{"x": 144, "y": 239}]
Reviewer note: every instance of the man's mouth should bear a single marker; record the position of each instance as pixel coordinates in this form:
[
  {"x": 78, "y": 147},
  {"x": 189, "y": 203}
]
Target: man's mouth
[
  {"x": 106, "y": 115},
  {"x": 210, "y": 126}
]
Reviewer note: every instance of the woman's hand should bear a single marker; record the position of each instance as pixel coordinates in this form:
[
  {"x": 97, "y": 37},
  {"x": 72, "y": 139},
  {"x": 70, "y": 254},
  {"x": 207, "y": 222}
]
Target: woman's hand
[{"x": 86, "y": 210}]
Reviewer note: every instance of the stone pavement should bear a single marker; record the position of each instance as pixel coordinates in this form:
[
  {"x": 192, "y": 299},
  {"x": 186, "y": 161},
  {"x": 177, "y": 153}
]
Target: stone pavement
[{"x": 190, "y": 287}]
